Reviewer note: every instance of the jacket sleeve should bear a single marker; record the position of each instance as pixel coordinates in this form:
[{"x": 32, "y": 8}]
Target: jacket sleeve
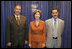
[
  {"x": 26, "y": 31},
  {"x": 46, "y": 28},
  {"x": 30, "y": 33},
  {"x": 8, "y": 31},
  {"x": 44, "y": 33},
  {"x": 62, "y": 26}
]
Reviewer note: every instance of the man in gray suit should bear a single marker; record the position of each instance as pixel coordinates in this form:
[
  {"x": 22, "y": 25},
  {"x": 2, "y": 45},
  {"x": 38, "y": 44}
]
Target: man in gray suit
[
  {"x": 16, "y": 29},
  {"x": 54, "y": 29}
]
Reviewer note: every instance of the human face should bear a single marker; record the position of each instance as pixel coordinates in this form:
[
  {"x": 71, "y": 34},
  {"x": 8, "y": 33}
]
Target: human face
[
  {"x": 17, "y": 10},
  {"x": 54, "y": 13},
  {"x": 37, "y": 16}
]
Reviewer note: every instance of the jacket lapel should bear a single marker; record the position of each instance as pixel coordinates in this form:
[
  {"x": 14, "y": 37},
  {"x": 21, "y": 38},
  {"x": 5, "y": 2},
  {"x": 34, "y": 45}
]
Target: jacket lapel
[{"x": 14, "y": 20}]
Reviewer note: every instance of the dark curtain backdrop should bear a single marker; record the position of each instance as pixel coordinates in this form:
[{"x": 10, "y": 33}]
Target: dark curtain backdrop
[{"x": 45, "y": 6}]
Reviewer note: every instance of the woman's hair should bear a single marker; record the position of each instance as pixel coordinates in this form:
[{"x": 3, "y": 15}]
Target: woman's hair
[{"x": 36, "y": 12}]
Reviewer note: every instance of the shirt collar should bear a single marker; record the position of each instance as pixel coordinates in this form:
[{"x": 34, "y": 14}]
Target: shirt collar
[
  {"x": 54, "y": 18},
  {"x": 35, "y": 23},
  {"x": 16, "y": 15}
]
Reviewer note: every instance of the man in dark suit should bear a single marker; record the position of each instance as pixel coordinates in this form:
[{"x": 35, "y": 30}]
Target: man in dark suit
[{"x": 16, "y": 29}]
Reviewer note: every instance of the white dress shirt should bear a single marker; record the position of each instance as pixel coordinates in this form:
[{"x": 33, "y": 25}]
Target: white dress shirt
[
  {"x": 17, "y": 16},
  {"x": 55, "y": 33}
]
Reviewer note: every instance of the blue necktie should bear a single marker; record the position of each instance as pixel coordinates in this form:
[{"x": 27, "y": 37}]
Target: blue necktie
[{"x": 54, "y": 21}]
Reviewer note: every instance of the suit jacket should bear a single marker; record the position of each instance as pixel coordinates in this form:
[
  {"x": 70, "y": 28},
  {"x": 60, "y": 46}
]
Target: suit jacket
[
  {"x": 16, "y": 33},
  {"x": 49, "y": 24},
  {"x": 37, "y": 33}
]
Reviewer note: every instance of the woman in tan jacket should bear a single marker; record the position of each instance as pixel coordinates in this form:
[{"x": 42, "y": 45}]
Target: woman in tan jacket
[{"x": 37, "y": 31}]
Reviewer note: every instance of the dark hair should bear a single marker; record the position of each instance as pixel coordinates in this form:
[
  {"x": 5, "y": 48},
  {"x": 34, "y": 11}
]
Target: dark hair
[
  {"x": 17, "y": 5},
  {"x": 36, "y": 12},
  {"x": 54, "y": 9}
]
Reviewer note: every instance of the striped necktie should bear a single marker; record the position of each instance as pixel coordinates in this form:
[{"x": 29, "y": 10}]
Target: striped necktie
[{"x": 18, "y": 20}]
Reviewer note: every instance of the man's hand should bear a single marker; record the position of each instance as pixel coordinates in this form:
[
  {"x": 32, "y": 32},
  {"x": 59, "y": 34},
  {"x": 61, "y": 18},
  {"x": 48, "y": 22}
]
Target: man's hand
[{"x": 9, "y": 44}]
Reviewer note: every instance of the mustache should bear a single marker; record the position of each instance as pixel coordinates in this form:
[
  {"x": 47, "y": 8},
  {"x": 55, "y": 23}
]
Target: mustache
[{"x": 55, "y": 15}]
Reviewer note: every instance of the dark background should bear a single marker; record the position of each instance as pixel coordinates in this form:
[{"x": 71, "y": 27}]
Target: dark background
[{"x": 45, "y": 6}]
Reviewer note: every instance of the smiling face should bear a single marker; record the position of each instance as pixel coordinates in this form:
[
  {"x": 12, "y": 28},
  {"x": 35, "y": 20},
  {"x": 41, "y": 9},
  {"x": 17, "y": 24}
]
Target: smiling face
[
  {"x": 17, "y": 10},
  {"x": 37, "y": 16},
  {"x": 55, "y": 13}
]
